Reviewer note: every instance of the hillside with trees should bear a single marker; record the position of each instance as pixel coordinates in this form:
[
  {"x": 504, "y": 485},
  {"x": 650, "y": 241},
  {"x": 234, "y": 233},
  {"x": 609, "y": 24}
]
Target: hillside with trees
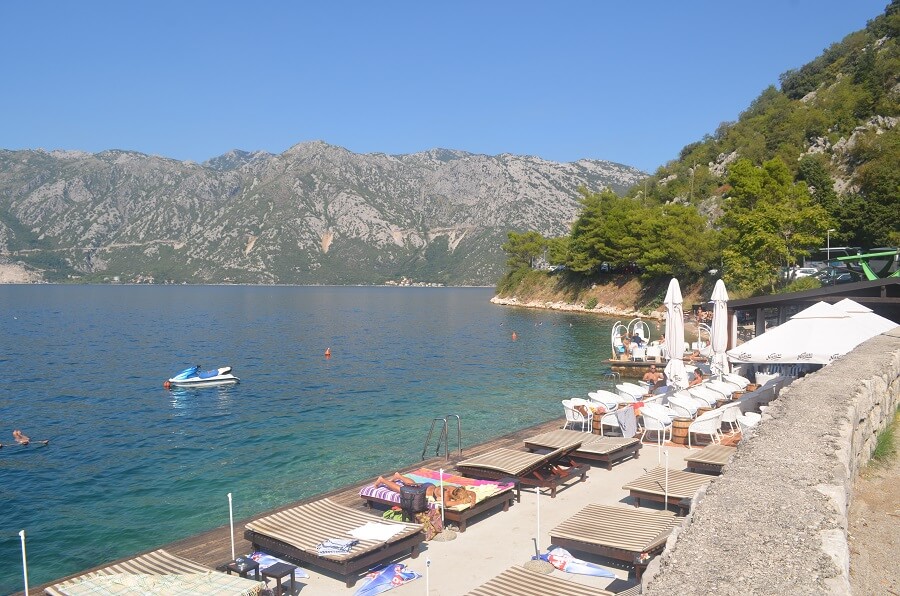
[{"x": 820, "y": 152}]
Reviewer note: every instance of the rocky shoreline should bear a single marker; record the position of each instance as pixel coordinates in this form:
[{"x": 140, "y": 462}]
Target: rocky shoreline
[{"x": 599, "y": 309}]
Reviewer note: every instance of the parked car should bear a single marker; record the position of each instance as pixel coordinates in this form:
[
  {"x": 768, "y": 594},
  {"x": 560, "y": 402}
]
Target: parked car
[
  {"x": 837, "y": 275},
  {"x": 804, "y": 272}
]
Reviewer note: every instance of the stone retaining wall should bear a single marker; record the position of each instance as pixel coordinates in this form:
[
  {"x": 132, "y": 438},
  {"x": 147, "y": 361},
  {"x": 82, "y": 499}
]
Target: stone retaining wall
[{"x": 776, "y": 521}]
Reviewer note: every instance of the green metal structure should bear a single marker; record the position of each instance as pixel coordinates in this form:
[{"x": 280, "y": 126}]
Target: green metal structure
[{"x": 890, "y": 256}]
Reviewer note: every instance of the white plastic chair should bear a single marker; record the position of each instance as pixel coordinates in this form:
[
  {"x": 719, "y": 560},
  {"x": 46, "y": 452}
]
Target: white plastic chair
[
  {"x": 730, "y": 414},
  {"x": 738, "y": 380},
  {"x": 683, "y": 406},
  {"x": 709, "y": 424},
  {"x": 607, "y": 399},
  {"x": 657, "y": 418},
  {"x": 631, "y": 391},
  {"x": 573, "y": 416},
  {"x": 705, "y": 394},
  {"x": 723, "y": 387},
  {"x": 748, "y": 420},
  {"x": 653, "y": 353},
  {"x": 637, "y": 353}
]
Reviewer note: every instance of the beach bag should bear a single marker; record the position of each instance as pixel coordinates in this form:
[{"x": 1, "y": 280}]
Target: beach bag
[{"x": 431, "y": 523}]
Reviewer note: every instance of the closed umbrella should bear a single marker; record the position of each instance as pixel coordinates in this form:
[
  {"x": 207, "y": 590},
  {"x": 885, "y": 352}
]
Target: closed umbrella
[
  {"x": 676, "y": 374},
  {"x": 720, "y": 329}
]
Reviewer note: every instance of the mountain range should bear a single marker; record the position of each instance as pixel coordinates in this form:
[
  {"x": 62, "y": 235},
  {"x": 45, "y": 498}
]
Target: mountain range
[{"x": 315, "y": 214}]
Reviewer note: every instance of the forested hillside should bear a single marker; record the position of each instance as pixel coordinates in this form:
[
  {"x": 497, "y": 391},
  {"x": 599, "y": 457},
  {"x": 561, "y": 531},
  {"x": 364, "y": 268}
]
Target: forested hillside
[{"x": 820, "y": 152}]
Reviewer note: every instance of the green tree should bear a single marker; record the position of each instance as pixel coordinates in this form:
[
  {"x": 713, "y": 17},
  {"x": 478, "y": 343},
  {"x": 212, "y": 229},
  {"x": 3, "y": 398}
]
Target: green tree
[
  {"x": 523, "y": 249},
  {"x": 769, "y": 221},
  {"x": 676, "y": 242}
]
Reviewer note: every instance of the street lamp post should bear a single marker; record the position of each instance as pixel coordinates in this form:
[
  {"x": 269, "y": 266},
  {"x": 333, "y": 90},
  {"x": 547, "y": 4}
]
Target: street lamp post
[{"x": 828, "y": 247}]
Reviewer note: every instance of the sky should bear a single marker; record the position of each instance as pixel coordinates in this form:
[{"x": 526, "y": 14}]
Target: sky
[{"x": 626, "y": 81}]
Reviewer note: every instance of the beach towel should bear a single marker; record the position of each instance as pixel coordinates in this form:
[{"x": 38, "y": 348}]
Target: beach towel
[
  {"x": 383, "y": 578},
  {"x": 335, "y": 546},
  {"x": 376, "y": 531},
  {"x": 564, "y": 561},
  {"x": 627, "y": 422},
  {"x": 483, "y": 489}
]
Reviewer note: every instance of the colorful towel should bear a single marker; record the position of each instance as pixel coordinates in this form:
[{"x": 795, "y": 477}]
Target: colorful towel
[
  {"x": 335, "y": 546},
  {"x": 483, "y": 489},
  {"x": 381, "y": 579},
  {"x": 564, "y": 561}
]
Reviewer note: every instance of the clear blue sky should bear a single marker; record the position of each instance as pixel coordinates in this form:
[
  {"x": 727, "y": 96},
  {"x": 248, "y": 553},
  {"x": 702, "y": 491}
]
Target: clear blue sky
[{"x": 631, "y": 82}]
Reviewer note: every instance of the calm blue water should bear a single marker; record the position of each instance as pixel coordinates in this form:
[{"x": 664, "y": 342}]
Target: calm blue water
[{"x": 132, "y": 465}]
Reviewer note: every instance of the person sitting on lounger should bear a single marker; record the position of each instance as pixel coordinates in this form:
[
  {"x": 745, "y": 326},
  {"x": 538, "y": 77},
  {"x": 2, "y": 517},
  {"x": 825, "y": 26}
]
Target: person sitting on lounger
[
  {"x": 698, "y": 378},
  {"x": 653, "y": 377},
  {"x": 453, "y": 495}
]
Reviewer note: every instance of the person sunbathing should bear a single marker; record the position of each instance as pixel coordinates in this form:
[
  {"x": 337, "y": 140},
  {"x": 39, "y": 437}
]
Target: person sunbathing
[{"x": 453, "y": 495}]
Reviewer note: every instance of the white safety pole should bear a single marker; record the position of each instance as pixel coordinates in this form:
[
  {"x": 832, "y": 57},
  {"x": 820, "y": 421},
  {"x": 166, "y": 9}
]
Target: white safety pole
[
  {"x": 537, "y": 492},
  {"x": 667, "y": 480},
  {"x": 231, "y": 523},
  {"x": 427, "y": 576},
  {"x": 24, "y": 560},
  {"x": 442, "y": 496}
]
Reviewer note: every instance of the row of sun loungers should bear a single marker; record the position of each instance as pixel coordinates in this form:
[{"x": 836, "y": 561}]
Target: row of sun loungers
[{"x": 295, "y": 534}]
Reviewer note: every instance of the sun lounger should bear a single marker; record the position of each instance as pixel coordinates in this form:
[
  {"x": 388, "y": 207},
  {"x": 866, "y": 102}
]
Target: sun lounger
[
  {"x": 616, "y": 532},
  {"x": 682, "y": 486},
  {"x": 490, "y": 495},
  {"x": 518, "y": 581},
  {"x": 295, "y": 533},
  {"x": 531, "y": 469},
  {"x": 593, "y": 448},
  {"x": 158, "y": 572},
  {"x": 711, "y": 458}
]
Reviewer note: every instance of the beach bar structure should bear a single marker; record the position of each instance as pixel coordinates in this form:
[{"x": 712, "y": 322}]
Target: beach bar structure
[{"x": 881, "y": 295}]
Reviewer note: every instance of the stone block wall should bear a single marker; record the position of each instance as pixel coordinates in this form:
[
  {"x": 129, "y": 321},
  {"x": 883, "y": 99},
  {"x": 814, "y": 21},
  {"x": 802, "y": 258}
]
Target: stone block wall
[{"x": 776, "y": 521}]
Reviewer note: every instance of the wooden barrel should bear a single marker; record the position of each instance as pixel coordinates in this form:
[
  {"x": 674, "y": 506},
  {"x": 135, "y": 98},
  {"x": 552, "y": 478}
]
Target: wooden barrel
[
  {"x": 738, "y": 395},
  {"x": 703, "y": 411},
  {"x": 680, "y": 430},
  {"x": 722, "y": 402},
  {"x": 751, "y": 387}
]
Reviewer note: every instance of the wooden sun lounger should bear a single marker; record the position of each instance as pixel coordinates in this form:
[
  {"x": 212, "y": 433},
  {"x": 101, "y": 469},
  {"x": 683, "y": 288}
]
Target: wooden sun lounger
[
  {"x": 523, "y": 467},
  {"x": 518, "y": 581},
  {"x": 616, "y": 532},
  {"x": 294, "y": 534},
  {"x": 607, "y": 450},
  {"x": 682, "y": 487},
  {"x": 711, "y": 458},
  {"x": 456, "y": 515},
  {"x": 158, "y": 572}
]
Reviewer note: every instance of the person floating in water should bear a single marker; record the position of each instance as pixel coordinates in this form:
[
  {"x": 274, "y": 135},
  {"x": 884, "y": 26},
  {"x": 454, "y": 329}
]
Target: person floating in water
[{"x": 20, "y": 438}]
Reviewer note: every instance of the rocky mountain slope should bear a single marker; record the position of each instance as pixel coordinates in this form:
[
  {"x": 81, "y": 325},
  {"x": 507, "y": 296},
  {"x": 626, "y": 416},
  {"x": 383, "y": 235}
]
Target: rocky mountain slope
[{"x": 313, "y": 214}]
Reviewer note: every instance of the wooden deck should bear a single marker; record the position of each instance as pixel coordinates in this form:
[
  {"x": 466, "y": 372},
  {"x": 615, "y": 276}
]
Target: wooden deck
[{"x": 213, "y": 548}]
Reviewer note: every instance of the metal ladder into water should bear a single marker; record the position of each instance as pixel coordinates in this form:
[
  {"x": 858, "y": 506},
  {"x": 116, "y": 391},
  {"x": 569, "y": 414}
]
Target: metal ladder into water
[{"x": 445, "y": 436}]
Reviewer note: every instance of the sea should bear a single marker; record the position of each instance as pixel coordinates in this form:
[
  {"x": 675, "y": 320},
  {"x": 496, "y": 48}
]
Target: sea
[{"x": 132, "y": 466}]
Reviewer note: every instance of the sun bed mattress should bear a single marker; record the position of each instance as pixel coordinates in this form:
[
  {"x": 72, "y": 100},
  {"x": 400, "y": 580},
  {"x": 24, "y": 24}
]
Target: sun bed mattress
[
  {"x": 518, "y": 581},
  {"x": 513, "y": 462},
  {"x": 158, "y": 572},
  {"x": 712, "y": 457},
  {"x": 616, "y": 527},
  {"x": 483, "y": 489},
  {"x": 681, "y": 484}
]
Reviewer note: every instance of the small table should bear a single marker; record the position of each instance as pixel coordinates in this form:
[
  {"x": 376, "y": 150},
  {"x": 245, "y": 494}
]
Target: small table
[
  {"x": 243, "y": 570},
  {"x": 278, "y": 572}
]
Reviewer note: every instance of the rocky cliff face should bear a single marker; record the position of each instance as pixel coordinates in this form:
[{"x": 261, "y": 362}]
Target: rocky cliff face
[{"x": 313, "y": 214}]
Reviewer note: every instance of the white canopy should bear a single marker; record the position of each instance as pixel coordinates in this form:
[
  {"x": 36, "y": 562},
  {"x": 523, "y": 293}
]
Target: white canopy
[
  {"x": 817, "y": 335},
  {"x": 865, "y": 316},
  {"x": 719, "y": 334}
]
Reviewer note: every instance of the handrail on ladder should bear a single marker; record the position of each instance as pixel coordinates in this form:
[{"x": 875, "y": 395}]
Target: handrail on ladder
[{"x": 445, "y": 436}]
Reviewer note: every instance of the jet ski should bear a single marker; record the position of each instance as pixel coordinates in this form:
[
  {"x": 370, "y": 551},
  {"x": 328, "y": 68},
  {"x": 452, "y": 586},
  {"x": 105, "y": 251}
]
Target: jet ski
[{"x": 194, "y": 377}]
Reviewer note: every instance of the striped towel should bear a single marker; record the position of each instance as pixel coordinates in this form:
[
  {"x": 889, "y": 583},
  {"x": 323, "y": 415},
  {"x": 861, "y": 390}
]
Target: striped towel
[{"x": 335, "y": 546}]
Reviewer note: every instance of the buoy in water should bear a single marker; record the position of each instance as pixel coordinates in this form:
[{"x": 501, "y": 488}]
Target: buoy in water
[{"x": 514, "y": 336}]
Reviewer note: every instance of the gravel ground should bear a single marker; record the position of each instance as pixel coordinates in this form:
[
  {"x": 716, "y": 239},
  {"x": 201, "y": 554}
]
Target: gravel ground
[
  {"x": 768, "y": 525},
  {"x": 875, "y": 530}
]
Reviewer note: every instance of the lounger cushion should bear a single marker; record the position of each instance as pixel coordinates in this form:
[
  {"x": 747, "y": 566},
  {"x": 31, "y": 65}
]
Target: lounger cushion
[
  {"x": 680, "y": 484},
  {"x": 614, "y": 526},
  {"x": 590, "y": 444},
  {"x": 306, "y": 526},
  {"x": 518, "y": 581},
  {"x": 513, "y": 462},
  {"x": 158, "y": 572},
  {"x": 483, "y": 489}
]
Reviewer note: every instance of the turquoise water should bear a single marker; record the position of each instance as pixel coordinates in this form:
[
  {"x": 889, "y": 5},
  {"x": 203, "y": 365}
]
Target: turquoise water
[{"x": 133, "y": 466}]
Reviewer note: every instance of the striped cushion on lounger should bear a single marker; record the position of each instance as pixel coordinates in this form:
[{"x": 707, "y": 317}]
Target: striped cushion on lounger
[
  {"x": 306, "y": 526},
  {"x": 518, "y": 581},
  {"x": 617, "y": 527},
  {"x": 158, "y": 572},
  {"x": 594, "y": 444},
  {"x": 513, "y": 462},
  {"x": 681, "y": 484}
]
